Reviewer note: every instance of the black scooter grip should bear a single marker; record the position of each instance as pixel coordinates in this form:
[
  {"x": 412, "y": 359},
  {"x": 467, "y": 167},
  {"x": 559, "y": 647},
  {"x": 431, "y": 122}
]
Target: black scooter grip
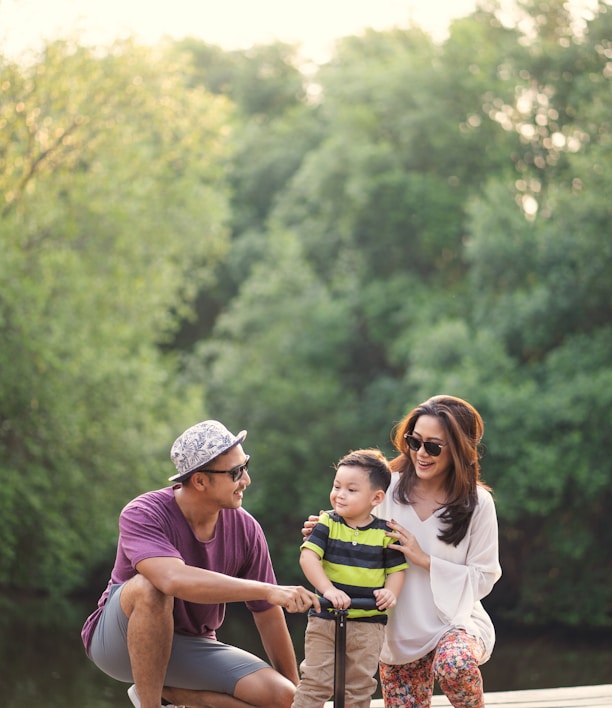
[{"x": 357, "y": 603}]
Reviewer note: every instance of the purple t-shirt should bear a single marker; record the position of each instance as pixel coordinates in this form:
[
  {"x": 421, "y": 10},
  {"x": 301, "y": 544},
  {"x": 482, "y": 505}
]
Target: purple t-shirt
[{"x": 152, "y": 525}]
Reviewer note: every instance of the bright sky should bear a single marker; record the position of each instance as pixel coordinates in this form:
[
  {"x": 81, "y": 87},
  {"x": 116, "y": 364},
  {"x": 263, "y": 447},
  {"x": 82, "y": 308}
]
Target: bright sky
[{"x": 231, "y": 24}]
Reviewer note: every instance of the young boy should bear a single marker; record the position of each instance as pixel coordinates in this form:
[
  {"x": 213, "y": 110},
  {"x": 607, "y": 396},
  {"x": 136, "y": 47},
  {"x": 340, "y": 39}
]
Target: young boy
[{"x": 346, "y": 556}]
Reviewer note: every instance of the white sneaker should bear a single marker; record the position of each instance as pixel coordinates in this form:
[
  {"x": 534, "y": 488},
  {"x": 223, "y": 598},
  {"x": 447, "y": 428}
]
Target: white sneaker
[{"x": 133, "y": 696}]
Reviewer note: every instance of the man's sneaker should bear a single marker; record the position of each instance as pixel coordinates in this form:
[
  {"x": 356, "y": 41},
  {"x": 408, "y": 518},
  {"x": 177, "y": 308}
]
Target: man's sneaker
[{"x": 133, "y": 695}]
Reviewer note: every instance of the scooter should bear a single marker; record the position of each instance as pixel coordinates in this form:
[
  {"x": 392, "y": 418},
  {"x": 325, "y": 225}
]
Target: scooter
[{"x": 340, "y": 616}]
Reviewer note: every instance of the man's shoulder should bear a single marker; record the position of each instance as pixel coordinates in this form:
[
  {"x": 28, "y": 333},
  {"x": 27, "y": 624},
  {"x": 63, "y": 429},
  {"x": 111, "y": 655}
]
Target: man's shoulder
[{"x": 154, "y": 498}]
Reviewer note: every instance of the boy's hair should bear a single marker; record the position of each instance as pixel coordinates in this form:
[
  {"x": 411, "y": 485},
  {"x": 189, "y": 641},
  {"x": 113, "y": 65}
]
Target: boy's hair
[{"x": 374, "y": 462}]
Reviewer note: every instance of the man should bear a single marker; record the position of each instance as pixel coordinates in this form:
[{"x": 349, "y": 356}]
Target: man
[{"x": 183, "y": 552}]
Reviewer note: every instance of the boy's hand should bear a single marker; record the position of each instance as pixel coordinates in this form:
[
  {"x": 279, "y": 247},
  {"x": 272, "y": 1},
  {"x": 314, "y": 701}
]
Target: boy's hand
[
  {"x": 385, "y": 599},
  {"x": 340, "y": 600}
]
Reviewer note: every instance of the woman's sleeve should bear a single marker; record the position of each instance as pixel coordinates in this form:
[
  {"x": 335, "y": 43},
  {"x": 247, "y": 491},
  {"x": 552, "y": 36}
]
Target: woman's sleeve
[{"x": 462, "y": 576}]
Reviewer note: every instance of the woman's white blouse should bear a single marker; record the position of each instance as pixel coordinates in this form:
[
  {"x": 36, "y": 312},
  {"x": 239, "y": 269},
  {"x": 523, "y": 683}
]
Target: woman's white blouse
[{"x": 449, "y": 595}]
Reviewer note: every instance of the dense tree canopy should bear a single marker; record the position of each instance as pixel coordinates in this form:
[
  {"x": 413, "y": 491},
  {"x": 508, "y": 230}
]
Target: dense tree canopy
[
  {"x": 414, "y": 218},
  {"x": 111, "y": 176}
]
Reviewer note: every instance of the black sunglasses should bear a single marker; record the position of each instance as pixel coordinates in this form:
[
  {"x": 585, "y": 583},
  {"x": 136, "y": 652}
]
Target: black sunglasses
[
  {"x": 431, "y": 448},
  {"x": 235, "y": 473}
]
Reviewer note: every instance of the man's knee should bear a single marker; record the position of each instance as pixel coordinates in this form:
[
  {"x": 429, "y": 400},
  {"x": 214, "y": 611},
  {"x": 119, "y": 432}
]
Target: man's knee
[
  {"x": 285, "y": 693},
  {"x": 138, "y": 592},
  {"x": 265, "y": 688}
]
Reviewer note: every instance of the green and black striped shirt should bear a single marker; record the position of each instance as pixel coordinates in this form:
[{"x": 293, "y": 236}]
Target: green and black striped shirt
[{"x": 356, "y": 560}]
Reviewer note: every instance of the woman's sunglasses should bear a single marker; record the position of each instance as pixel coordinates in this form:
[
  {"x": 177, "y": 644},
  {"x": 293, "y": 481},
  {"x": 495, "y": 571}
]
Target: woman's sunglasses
[
  {"x": 235, "y": 473},
  {"x": 431, "y": 448}
]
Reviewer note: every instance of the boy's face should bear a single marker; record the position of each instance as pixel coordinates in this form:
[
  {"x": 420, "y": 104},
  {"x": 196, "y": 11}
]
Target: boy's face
[{"x": 352, "y": 496}]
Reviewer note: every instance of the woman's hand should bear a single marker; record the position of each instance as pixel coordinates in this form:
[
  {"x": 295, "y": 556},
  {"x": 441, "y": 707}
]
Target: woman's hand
[
  {"x": 408, "y": 545},
  {"x": 309, "y": 525}
]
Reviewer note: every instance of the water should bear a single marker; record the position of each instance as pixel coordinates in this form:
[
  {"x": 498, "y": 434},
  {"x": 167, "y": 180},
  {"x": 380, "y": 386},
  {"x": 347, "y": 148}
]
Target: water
[
  {"x": 42, "y": 662},
  {"x": 550, "y": 658}
]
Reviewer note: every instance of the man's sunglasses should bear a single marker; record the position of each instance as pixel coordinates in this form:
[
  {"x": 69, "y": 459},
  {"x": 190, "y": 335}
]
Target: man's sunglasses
[
  {"x": 431, "y": 448},
  {"x": 235, "y": 473}
]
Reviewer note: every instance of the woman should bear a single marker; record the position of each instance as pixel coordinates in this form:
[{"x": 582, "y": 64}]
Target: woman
[{"x": 443, "y": 519}]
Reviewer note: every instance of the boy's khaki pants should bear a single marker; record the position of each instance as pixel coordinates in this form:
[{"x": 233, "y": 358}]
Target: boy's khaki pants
[{"x": 363, "y": 645}]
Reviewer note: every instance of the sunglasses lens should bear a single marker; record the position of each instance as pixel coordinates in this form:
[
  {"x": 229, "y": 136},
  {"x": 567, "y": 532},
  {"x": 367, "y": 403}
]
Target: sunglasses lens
[
  {"x": 237, "y": 472},
  {"x": 431, "y": 448},
  {"x": 413, "y": 443}
]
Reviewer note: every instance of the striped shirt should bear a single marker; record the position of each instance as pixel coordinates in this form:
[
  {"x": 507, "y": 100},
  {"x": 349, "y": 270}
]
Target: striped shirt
[{"x": 356, "y": 560}]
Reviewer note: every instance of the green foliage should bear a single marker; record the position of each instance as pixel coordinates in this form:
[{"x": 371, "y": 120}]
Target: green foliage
[
  {"x": 271, "y": 369},
  {"x": 368, "y": 197},
  {"x": 418, "y": 153},
  {"x": 414, "y": 212},
  {"x": 412, "y": 219},
  {"x": 110, "y": 174},
  {"x": 264, "y": 81}
]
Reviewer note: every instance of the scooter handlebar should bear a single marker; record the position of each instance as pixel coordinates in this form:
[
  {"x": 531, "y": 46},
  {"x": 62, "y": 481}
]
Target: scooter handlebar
[{"x": 357, "y": 603}]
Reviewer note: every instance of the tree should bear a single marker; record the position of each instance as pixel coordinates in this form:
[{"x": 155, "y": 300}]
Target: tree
[
  {"x": 273, "y": 127},
  {"x": 271, "y": 368},
  {"x": 453, "y": 212},
  {"x": 541, "y": 281},
  {"x": 111, "y": 175}
]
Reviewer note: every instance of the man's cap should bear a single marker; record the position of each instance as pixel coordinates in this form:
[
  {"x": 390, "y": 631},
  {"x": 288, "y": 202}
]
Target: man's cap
[{"x": 200, "y": 444}]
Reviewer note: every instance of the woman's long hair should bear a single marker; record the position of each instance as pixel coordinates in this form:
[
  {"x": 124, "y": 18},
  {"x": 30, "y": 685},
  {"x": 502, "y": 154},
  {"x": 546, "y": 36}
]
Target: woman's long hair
[{"x": 464, "y": 428}]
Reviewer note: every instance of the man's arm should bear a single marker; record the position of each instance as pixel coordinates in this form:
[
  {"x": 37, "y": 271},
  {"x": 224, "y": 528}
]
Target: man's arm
[
  {"x": 172, "y": 577},
  {"x": 276, "y": 640}
]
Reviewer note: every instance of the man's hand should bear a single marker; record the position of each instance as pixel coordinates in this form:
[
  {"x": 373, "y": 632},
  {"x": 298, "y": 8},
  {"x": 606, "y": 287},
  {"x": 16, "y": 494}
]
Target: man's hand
[{"x": 294, "y": 598}]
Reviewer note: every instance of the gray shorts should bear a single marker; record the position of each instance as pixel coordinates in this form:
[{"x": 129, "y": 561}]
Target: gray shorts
[{"x": 195, "y": 663}]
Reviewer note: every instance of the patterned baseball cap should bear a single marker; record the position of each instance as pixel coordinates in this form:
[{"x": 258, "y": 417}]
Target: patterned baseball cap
[{"x": 200, "y": 444}]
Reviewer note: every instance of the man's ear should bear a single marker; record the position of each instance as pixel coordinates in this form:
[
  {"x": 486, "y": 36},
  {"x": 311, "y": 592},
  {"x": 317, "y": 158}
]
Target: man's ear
[{"x": 198, "y": 480}]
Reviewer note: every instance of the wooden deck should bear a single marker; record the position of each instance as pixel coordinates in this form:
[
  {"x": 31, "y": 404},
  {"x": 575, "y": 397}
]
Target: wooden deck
[{"x": 573, "y": 697}]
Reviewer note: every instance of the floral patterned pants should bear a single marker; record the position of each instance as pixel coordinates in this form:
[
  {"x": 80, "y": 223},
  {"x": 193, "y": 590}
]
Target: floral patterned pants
[{"x": 453, "y": 664}]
